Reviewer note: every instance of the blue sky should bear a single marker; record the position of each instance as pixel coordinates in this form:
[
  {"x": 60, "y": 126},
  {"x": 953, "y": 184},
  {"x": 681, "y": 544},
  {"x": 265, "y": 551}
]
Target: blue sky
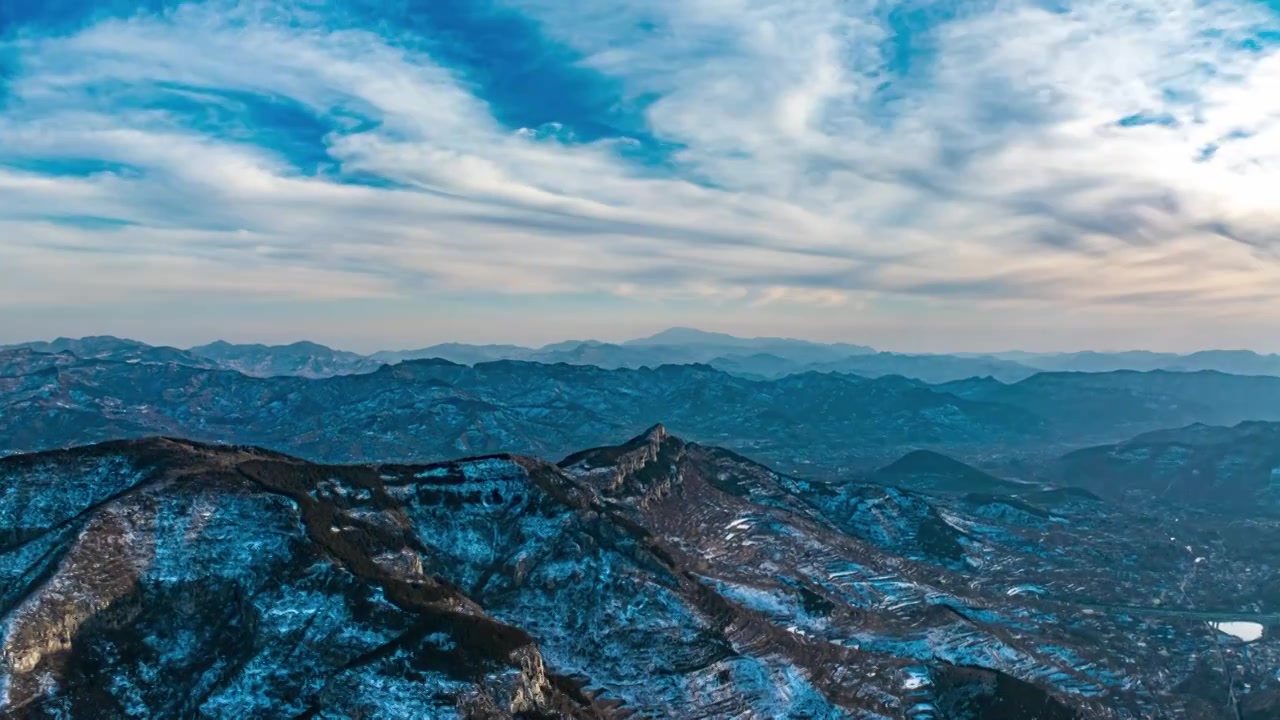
[{"x": 920, "y": 176}]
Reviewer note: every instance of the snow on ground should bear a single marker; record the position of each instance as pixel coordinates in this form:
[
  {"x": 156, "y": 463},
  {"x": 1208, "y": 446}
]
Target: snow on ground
[{"x": 1246, "y": 631}]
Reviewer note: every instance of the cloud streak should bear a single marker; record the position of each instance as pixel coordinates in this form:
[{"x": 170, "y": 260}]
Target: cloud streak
[{"x": 1106, "y": 157}]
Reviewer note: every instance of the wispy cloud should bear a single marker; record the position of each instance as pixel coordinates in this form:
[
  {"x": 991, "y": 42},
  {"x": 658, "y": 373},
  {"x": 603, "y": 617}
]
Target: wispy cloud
[{"x": 1116, "y": 159}]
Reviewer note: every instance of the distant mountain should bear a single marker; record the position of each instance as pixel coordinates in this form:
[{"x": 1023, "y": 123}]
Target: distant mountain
[
  {"x": 701, "y": 338},
  {"x": 1081, "y": 406},
  {"x": 756, "y": 365},
  {"x": 658, "y": 578},
  {"x": 24, "y": 361},
  {"x": 674, "y": 346},
  {"x": 690, "y": 336},
  {"x": 1090, "y": 361},
  {"x": 931, "y": 472},
  {"x": 568, "y": 346},
  {"x": 86, "y": 347},
  {"x": 819, "y": 424},
  {"x": 764, "y": 358},
  {"x": 757, "y": 358},
  {"x": 433, "y": 409},
  {"x": 1236, "y": 362},
  {"x": 1201, "y": 465},
  {"x": 610, "y": 356},
  {"x": 928, "y": 368},
  {"x": 714, "y": 344},
  {"x": 105, "y": 347},
  {"x": 456, "y": 352},
  {"x": 301, "y": 359},
  {"x": 812, "y": 422}
]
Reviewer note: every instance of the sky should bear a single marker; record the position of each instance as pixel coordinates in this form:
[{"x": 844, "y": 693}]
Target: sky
[{"x": 919, "y": 176}]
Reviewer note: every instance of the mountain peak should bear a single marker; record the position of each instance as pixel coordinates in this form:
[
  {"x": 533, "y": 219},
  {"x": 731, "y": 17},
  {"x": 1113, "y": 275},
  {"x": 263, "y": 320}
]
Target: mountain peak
[
  {"x": 646, "y": 445},
  {"x": 644, "y": 468},
  {"x": 308, "y": 346},
  {"x": 655, "y": 434},
  {"x": 684, "y": 336}
]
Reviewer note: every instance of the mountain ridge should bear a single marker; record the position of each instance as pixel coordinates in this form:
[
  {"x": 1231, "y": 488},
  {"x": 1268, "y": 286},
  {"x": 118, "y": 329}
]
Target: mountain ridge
[
  {"x": 436, "y": 409},
  {"x": 1234, "y": 467},
  {"x": 440, "y": 409},
  {"x": 763, "y": 357},
  {"x": 691, "y": 582}
]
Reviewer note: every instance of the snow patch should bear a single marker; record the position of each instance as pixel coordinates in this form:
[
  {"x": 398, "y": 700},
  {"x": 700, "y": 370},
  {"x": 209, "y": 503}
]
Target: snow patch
[{"x": 1246, "y": 631}]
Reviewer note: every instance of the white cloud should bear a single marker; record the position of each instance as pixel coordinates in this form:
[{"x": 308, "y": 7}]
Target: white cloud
[{"x": 997, "y": 177}]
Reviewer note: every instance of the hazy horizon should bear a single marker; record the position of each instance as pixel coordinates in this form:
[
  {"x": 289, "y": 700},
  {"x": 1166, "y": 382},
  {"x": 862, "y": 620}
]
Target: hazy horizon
[{"x": 620, "y": 339}]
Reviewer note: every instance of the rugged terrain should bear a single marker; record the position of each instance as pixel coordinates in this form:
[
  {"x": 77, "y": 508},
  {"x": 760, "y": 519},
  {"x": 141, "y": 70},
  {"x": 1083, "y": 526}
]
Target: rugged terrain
[
  {"x": 659, "y": 578},
  {"x": 1233, "y": 468},
  {"x": 816, "y": 424},
  {"x": 434, "y": 409}
]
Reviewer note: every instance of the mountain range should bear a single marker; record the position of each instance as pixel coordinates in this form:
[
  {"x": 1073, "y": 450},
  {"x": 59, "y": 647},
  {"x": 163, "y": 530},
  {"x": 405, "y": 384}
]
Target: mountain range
[
  {"x": 819, "y": 424},
  {"x": 657, "y": 578},
  {"x": 233, "y": 531},
  {"x": 433, "y": 409},
  {"x": 758, "y": 358}
]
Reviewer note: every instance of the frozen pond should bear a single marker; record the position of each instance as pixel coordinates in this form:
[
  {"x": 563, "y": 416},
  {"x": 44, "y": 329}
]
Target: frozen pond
[{"x": 1246, "y": 631}]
